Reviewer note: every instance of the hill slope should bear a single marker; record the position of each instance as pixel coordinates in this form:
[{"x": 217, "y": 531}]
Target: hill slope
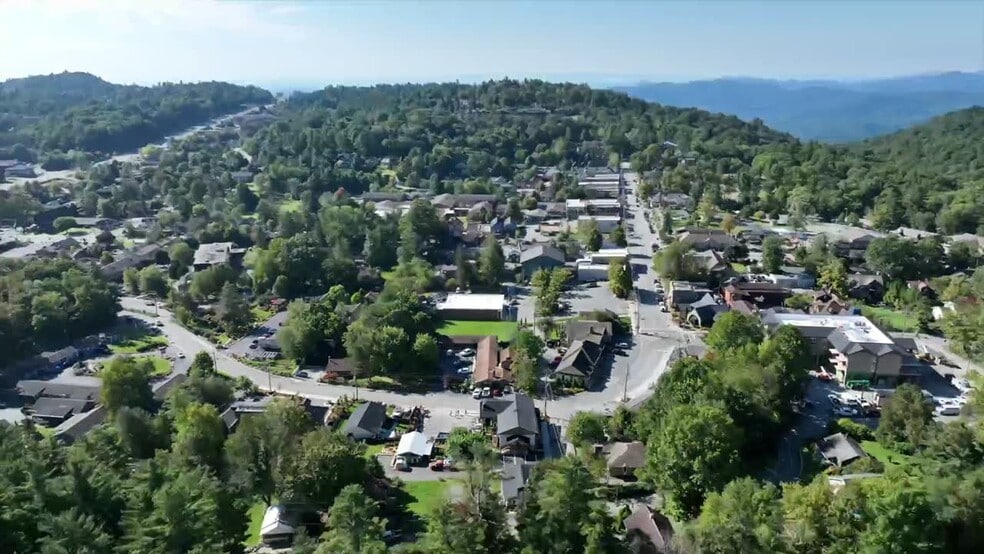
[
  {"x": 825, "y": 110},
  {"x": 78, "y": 111}
]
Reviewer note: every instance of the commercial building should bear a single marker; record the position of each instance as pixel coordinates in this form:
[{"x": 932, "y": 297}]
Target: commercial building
[
  {"x": 608, "y": 255},
  {"x": 483, "y": 307}
]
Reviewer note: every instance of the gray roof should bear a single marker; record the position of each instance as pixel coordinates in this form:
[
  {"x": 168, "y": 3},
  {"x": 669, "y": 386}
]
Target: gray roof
[
  {"x": 514, "y": 479},
  {"x": 627, "y": 454},
  {"x": 213, "y": 253},
  {"x": 58, "y": 356},
  {"x": 519, "y": 415},
  {"x": 58, "y": 390},
  {"x": 77, "y": 426},
  {"x": 842, "y": 343},
  {"x": 541, "y": 250},
  {"x": 580, "y": 329},
  {"x": 368, "y": 417},
  {"x": 840, "y": 449},
  {"x": 59, "y": 407}
]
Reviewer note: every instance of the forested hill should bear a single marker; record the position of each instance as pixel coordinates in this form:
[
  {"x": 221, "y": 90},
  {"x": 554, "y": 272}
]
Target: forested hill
[{"x": 78, "y": 111}]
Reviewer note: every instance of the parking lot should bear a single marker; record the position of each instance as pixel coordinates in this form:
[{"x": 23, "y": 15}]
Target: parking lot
[{"x": 247, "y": 345}]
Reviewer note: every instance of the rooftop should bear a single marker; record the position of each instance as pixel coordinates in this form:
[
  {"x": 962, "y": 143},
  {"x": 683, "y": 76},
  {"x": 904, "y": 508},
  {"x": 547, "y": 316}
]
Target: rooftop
[
  {"x": 855, "y": 328},
  {"x": 610, "y": 253},
  {"x": 473, "y": 302}
]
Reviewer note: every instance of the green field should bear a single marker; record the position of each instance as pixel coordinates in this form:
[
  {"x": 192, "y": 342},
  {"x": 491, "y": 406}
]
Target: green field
[
  {"x": 505, "y": 330},
  {"x": 893, "y": 319},
  {"x": 427, "y": 495},
  {"x": 162, "y": 367},
  {"x": 255, "y": 517},
  {"x": 137, "y": 344},
  {"x": 884, "y": 455}
]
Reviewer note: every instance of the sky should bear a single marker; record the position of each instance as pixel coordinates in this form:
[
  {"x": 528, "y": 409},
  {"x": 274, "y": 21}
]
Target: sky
[{"x": 312, "y": 43}]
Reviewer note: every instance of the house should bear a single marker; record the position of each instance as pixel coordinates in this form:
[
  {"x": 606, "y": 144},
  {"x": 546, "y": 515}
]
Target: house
[
  {"x": 102, "y": 223},
  {"x": 241, "y": 409},
  {"x": 366, "y": 422},
  {"x": 710, "y": 263},
  {"x": 217, "y": 253},
  {"x": 853, "y": 242},
  {"x": 828, "y": 303},
  {"x": 60, "y": 359},
  {"x": 276, "y": 528},
  {"x": 597, "y": 332},
  {"x": 535, "y": 216},
  {"x": 482, "y": 211},
  {"x": 608, "y": 255},
  {"x": 624, "y": 458},
  {"x": 462, "y": 204},
  {"x": 764, "y": 295},
  {"x": 677, "y": 200},
  {"x": 514, "y": 478},
  {"x": 492, "y": 365},
  {"x": 540, "y": 256},
  {"x": 973, "y": 239},
  {"x": 861, "y": 352},
  {"x": 707, "y": 239},
  {"x": 137, "y": 259},
  {"x": 45, "y": 218},
  {"x": 79, "y": 425},
  {"x": 648, "y": 531},
  {"x": 31, "y": 391},
  {"x": 868, "y": 288},
  {"x": 55, "y": 411},
  {"x": 502, "y": 226},
  {"x": 793, "y": 277},
  {"x": 22, "y": 170},
  {"x": 684, "y": 292},
  {"x": 913, "y": 234},
  {"x": 579, "y": 363},
  {"x": 840, "y": 450},
  {"x": 516, "y": 423},
  {"x": 483, "y": 307},
  {"x": 57, "y": 248},
  {"x": 756, "y": 234},
  {"x": 415, "y": 447},
  {"x": 593, "y": 206},
  {"x": 381, "y": 196},
  {"x": 704, "y": 312}
]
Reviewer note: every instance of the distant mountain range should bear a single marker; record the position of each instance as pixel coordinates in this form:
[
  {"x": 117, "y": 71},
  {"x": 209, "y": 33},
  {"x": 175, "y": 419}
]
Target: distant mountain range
[{"x": 829, "y": 111}]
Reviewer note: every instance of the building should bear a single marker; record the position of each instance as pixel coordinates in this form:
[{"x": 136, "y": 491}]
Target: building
[
  {"x": 840, "y": 450},
  {"x": 500, "y": 226},
  {"x": 463, "y": 204},
  {"x": 707, "y": 239},
  {"x": 704, "y": 312},
  {"x": 137, "y": 259},
  {"x": 684, "y": 292},
  {"x": 593, "y": 206},
  {"x": 540, "y": 256},
  {"x": 55, "y": 411},
  {"x": 623, "y": 459},
  {"x": 677, "y": 200},
  {"x": 60, "y": 359},
  {"x": 588, "y": 272},
  {"x": 217, "y": 253},
  {"x": 648, "y": 531},
  {"x": 580, "y": 363},
  {"x": 608, "y": 255},
  {"x": 492, "y": 365},
  {"x": 31, "y": 391},
  {"x": 711, "y": 264},
  {"x": 276, "y": 528},
  {"x": 381, "y": 196},
  {"x": 45, "y": 218},
  {"x": 515, "y": 475},
  {"x": 516, "y": 423},
  {"x": 855, "y": 348},
  {"x": 606, "y": 223},
  {"x": 794, "y": 278},
  {"x": 481, "y": 307},
  {"x": 869, "y": 288},
  {"x": 366, "y": 422},
  {"x": 21, "y": 170},
  {"x": 763, "y": 295},
  {"x": 415, "y": 447}
]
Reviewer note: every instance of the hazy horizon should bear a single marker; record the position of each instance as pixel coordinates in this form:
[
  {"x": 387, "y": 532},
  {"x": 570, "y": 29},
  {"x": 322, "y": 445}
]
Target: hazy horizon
[{"x": 312, "y": 44}]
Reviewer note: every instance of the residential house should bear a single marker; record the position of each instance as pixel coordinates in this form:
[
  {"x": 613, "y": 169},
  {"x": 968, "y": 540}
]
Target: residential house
[
  {"x": 79, "y": 425},
  {"x": 535, "y": 216},
  {"x": 704, "y": 312},
  {"x": 540, "y": 256},
  {"x": 217, "y": 253},
  {"x": 648, "y": 531},
  {"x": 381, "y": 196},
  {"x": 913, "y": 234},
  {"x": 462, "y": 204},
  {"x": 756, "y": 234},
  {"x": 502, "y": 226},
  {"x": 514, "y": 477},
  {"x": 481, "y": 211},
  {"x": 60, "y": 247},
  {"x": 45, "y": 218},
  {"x": 827, "y": 303},
  {"x": 596, "y": 332},
  {"x": 276, "y": 527},
  {"x": 852, "y": 242},
  {"x": 31, "y": 391},
  {"x": 867, "y": 288},
  {"x": 973, "y": 239},
  {"x": 839, "y": 450},
  {"x": 677, "y": 200},
  {"x": 684, "y": 292},
  {"x": 22, "y": 170},
  {"x": 55, "y": 411},
  {"x": 707, "y": 239},
  {"x": 516, "y": 423},
  {"x": 137, "y": 259},
  {"x": 366, "y": 422},
  {"x": 623, "y": 459},
  {"x": 415, "y": 447},
  {"x": 793, "y": 277},
  {"x": 456, "y": 227},
  {"x": 579, "y": 364},
  {"x": 589, "y": 272},
  {"x": 606, "y": 223},
  {"x": 764, "y": 295},
  {"x": 244, "y": 408},
  {"x": 492, "y": 365},
  {"x": 62, "y": 358},
  {"x": 712, "y": 264}
]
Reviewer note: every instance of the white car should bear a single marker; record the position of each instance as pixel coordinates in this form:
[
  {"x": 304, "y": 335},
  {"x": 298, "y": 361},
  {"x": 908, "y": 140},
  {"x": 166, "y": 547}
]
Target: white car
[
  {"x": 844, "y": 411},
  {"x": 467, "y": 353},
  {"x": 476, "y": 392},
  {"x": 486, "y": 392}
]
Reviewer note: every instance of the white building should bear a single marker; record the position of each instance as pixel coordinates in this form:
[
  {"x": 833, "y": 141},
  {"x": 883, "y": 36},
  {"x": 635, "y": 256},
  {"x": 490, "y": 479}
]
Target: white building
[
  {"x": 472, "y": 306},
  {"x": 607, "y": 255},
  {"x": 587, "y": 272}
]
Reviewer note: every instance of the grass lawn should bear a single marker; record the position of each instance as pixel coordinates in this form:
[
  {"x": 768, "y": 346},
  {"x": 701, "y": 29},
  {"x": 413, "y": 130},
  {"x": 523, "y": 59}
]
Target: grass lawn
[
  {"x": 137, "y": 344},
  {"x": 740, "y": 268},
  {"x": 277, "y": 367},
  {"x": 373, "y": 450},
  {"x": 427, "y": 495},
  {"x": 884, "y": 455},
  {"x": 895, "y": 320},
  {"x": 505, "y": 330},
  {"x": 291, "y": 206},
  {"x": 162, "y": 367},
  {"x": 261, "y": 314},
  {"x": 255, "y": 516}
]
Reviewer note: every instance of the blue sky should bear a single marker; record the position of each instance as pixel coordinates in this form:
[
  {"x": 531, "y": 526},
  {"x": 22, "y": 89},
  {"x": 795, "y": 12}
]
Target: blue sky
[{"x": 316, "y": 43}]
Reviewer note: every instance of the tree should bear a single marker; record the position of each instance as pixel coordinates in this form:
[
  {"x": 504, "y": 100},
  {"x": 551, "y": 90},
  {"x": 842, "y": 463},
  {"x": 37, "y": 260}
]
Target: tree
[
  {"x": 474, "y": 522},
  {"x": 529, "y": 343},
  {"x": 131, "y": 280},
  {"x": 905, "y": 419},
  {"x": 377, "y": 350},
  {"x": 618, "y": 237},
  {"x": 126, "y": 382},
  {"x": 353, "y": 525},
  {"x": 732, "y": 331},
  {"x": 526, "y": 369},
  {"x": 233, "y": 310},
  {"x": 320, "y": 468},
  {"x": 586, "y": 428},
  {"x": 426, "y": 352},
  {"x": 62, "y": 224},
  {"x": 182, "y": 256},
  {"x": 593, "y": 239},
  {"x": 728, "y": 223},
  {"x": 463, "y": 271},
  {"x": 491, "y": 262},
  {"x": 463, "y": 444},
  {"x": 666, "y": 222},
  {"x": 833, "y": 277},
  {"x": 964, "y": 256},
  {"x": 74, "y": 531},
  {"x": 200, "y": 436},
  {"x": 153, "y": 281},
  {"x": 772, "y": 255},
  {"x": 620, "y": 277},
  {"x": 799, "y": 301},
  {"x": 675, "y": 262},
  {"x": 744, "y": 517},
  {"x": 693, "y": 454},
  {"x": 139, "y": 433},
  {"x": 203, "y": 365}
]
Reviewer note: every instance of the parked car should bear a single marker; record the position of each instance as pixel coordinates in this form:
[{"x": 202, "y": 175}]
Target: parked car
[
  {"x": 400, "y": 464},
  {"x": 302, "y": 374},
  {"x": 181, "y": 355},
  {"x": 486, "y": 392},
  {"x": 476, "y": 392},
  {"x": 496, "y": 392},
  {"x": 845, "y": 411},
  {"x": 468, "y": 352}
]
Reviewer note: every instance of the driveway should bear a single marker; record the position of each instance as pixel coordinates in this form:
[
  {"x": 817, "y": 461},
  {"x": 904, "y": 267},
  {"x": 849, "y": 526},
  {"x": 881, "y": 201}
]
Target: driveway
[{"x": 241, "y": 347}]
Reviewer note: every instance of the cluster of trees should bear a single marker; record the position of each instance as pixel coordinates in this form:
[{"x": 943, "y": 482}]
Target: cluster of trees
[
  {"x": 548, "y": 286},
  {"x": 964, "y": 326},
  {"x": 46, "y": 303},
  {"x": 620, "y": 277},
  {"x": 78, "y": 111}
]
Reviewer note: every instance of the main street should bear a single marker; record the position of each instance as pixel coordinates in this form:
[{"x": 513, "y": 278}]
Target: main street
[{"x": 631, "y": 380}]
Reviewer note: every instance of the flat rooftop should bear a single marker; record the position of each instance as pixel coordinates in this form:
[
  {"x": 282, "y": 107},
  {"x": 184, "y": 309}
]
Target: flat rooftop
[
  {"x": 473, "y": 302},
  {"x": 600, "y": 217},
  {"x": 856, "y": 328},
  {"x": 610, "y": 253}
]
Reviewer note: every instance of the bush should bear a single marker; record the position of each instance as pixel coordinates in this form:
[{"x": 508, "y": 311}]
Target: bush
[{"x": 856, "y": 431}]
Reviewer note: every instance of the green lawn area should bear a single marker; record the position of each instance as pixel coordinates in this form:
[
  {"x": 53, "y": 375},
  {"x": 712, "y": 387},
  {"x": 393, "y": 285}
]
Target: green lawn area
[
  {"x": 162, "y": 367},
  {"x": 277, "y": 367},
  {"x": 255, "y": 516},
  {"x": 428, "y": 495},
  {"x": 884, "y": 455},
  {"x": 895, "y": 320},
  {"x": 291, "y": 206},
  {"x": 505, "y": 330},
  {"x": 740, "y": 268},
  {"x": 261, "y": 314},
  {"x": 373, "y": 450},
  {"x": 138, "y": 343}
]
